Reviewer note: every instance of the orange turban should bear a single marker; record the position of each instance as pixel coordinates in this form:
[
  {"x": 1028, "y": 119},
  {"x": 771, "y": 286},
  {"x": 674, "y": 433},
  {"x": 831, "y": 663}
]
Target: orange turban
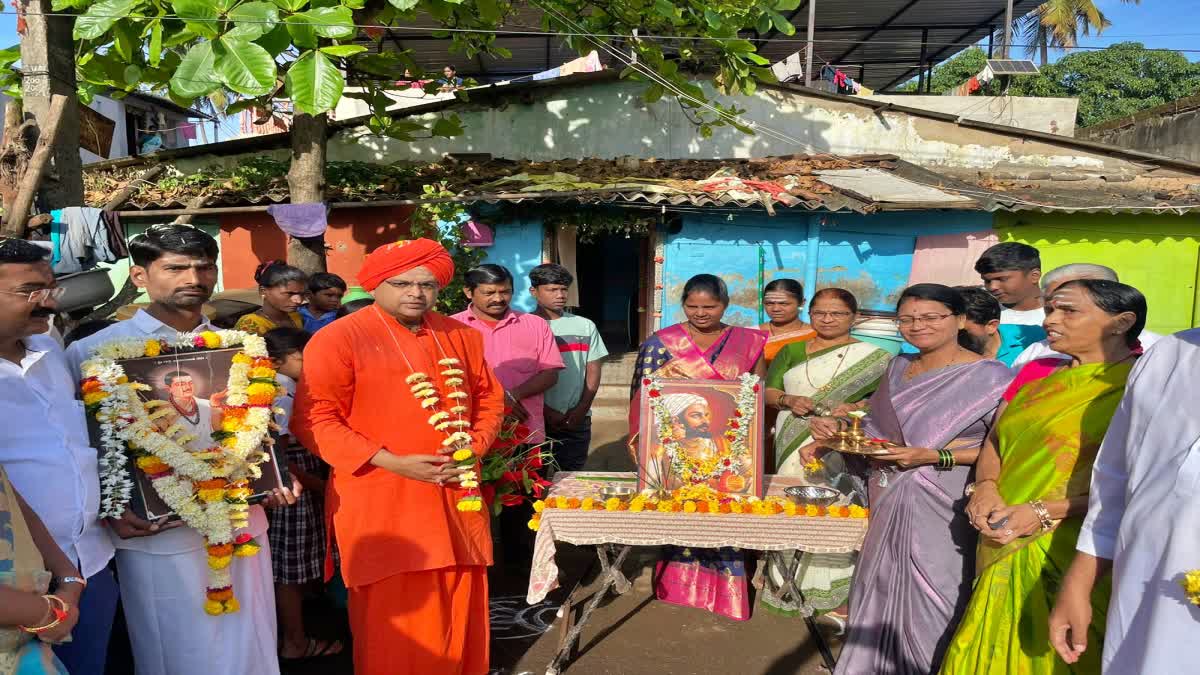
[{"x": 388, "y": 261}]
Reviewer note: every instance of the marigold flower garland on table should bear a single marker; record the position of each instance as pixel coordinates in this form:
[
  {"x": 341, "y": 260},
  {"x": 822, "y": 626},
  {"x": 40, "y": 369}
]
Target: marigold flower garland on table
[
  {"x": 726, "y": 464},
  {"x": 209, "y": 488},
  {"x": 698, "y": 498}
]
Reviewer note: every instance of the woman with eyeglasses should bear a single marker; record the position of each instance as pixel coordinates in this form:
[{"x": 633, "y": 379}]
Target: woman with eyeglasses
[
  {"x": 808, "y": 380},
  {"x": 284, "y": 289},
  {"x": 914, "y": 569}
]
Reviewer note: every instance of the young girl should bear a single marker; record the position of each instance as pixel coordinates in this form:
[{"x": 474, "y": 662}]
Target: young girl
[
  {"x": 284, "y": 289},
  {"x": 297, "y": 533}
]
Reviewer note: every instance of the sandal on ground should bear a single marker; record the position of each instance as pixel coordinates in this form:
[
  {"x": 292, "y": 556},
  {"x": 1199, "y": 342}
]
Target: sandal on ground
[
  {"x": 834, "y": 620},
  {"x": 316, "y": 649}
]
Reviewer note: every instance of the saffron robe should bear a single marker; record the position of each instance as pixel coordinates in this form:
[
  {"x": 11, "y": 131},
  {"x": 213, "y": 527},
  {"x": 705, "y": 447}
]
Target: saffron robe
[{"x": 352, "y": 402}]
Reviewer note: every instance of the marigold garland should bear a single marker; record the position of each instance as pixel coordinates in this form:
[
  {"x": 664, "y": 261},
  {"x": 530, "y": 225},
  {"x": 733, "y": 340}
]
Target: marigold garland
[
  {"x": 209, "y": 488},
  {"x": 1191, "y": 586},
  {"x": 703, "y": 499}
]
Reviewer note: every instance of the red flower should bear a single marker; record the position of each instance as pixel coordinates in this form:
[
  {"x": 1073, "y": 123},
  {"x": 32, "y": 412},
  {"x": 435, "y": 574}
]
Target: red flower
[
  {"x": 728, "y": 462},
  {"x": 511, "y": 499},
  {"x": 646, "y": 381},
  {"x": 735, "y": 425},
  {"x": 755, "y": 389},
  {"x": 654, "y": 393},
  {"x": 737, "y": 413},
  {"x": 242, "y": 538},
  {"x": 534, "y": 462},
  {"x": 538, "y": 490}
]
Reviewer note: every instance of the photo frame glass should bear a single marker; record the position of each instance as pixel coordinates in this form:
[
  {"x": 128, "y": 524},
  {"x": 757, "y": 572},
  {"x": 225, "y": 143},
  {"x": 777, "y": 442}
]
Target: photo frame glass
[
  {"x": 701, "y": 431},
  {"x": 190, "y": 383}
]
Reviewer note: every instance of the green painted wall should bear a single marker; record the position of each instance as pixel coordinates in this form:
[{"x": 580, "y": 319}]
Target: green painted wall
[{"x": 1158, "y": 254}]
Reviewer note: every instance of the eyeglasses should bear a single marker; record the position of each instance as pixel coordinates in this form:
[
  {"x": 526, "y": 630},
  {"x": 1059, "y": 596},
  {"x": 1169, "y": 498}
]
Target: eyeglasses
[
  {"x": 906, "y": 321},
  {"x": 425, "y": 286},
  {"x": 41, "y": 295},
  {"x": 830, "y": 315}
]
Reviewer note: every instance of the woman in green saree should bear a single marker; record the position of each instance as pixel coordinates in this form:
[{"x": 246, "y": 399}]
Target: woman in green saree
[
  {"x": 807, "y": 380},
  {"x": 1032, "y": 481}
]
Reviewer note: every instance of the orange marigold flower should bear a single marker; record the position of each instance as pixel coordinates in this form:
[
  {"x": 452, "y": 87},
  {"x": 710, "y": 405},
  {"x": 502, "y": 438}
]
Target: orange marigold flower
[
  {"x": 220, "y": 550},
  {"x": 725, "y": 508},
  {"x": 220, "y": 594},
  {"x": 91, "y": 384},
  {"x": 263, "y": 363},
  {"x": 573, "y": 502},
  {"x": 701, "y": 507}
]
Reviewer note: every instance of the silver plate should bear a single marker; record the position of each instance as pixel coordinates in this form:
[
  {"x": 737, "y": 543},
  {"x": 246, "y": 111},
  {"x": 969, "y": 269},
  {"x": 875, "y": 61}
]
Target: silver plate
[{"x": 812, "y": 494}]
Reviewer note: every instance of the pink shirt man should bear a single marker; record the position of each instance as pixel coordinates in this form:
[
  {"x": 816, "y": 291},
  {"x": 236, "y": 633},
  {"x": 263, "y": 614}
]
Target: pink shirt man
[{"x": 518, "y": 347}]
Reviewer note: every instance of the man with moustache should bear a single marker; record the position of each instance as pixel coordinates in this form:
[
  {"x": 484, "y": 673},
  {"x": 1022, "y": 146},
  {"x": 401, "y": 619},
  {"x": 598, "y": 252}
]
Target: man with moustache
[
  {"x": 519, "y": 347},
  {"x": 44, "y": 448},
  {"x": 162, "y": 565}
]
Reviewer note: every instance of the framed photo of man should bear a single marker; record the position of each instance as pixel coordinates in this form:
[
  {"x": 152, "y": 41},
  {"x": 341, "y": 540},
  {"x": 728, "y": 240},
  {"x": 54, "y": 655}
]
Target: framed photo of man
[
  {"x": 192, "y": 385},
  {"x": 701, "y": 431}
]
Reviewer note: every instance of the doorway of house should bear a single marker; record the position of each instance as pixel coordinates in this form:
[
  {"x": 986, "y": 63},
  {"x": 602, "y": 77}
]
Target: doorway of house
[{"x": 612, "y": 287}]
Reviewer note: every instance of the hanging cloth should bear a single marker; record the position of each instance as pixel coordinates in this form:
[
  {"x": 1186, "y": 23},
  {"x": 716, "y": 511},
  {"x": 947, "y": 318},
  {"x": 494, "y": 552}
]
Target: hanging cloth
[{"x": 301, "y": 221}]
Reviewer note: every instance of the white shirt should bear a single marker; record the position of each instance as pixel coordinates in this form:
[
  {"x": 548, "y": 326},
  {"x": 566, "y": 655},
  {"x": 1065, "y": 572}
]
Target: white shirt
[
  {"x": 182, "y": 539},
  {"x": 1042, "y": 350},
  {"x": 44, "y": 447},
  {"x": 1144, "y": 512},
  {"x": 1023, "y": 317}
]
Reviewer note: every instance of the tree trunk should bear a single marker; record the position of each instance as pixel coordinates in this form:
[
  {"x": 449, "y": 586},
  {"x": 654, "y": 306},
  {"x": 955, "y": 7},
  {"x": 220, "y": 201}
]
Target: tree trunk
[
  {"x": 48, "y": 63},
  {"x": 306, "y": 185},
  {"x": 49, "y": 135},
  {"x": 1045, "y": 54}
]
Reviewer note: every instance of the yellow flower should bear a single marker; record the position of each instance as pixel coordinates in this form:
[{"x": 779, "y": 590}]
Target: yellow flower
[
  {"x": 214, "y": 608},
  {"x": 689, "y": 506},
  {"x": 612, "y": 504},
  {"x": 247, "y": 550},
  {"x": 463, "y": 455},
  {"x": 219, "y": 562},
  {"x": 262, "y": 372},
  {"x": 211, "y": 339},
  {"x": 535, "y": 523},
  {"x": 539, "y": 506},
  {"x": 454, "y": 382},
  {"x": 451, "y": 372},
  {"x": 560, "y": 502},
  {"x": 416, "y": 377},
  {"x": 459, "y": 409},
  {"x": 714, "y": 506},
  {"x": 588, "y": 504},
  {"x": 735, "y": 507},
  {"x": 94, "y": 397},
  {"x": 153, "y": 348},
  {"x": 429, "y": 403},
  {"x": 812, "y": 510},
  {"x": 789, "y": 508},
  {"x": 857, "y": 511},
  {"x": 243, "y": 358},
  {"x": 448, "y": 362},
  {"x": 666, "y": 506},
  {"x": 1191, "y": 586},
  {"x": 260, "y": 389},
  {"x": 231, "y": 606},
  {"x": 637, "y": 504}
]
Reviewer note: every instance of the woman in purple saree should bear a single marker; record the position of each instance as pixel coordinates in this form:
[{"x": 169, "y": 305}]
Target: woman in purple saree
[
  {"x": 916, "y": 565},
  {"x": 700, "y": 348}
]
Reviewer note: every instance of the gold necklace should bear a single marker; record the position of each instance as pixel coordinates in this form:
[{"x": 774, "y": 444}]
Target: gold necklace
[{"x": 825, "y": 388}]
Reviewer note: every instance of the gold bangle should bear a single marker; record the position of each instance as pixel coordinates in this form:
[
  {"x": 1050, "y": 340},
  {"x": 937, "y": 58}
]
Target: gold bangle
[
  {"x": 1043, "y": 514},
  {"x": 59, "y": 613}
]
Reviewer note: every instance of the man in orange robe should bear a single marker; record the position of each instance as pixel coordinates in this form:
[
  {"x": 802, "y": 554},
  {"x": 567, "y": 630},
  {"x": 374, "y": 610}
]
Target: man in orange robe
[{"x": 415, "y": 564}]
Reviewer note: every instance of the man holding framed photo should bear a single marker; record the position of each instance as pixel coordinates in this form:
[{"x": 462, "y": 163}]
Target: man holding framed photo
[{"x": 162, "y": 562}]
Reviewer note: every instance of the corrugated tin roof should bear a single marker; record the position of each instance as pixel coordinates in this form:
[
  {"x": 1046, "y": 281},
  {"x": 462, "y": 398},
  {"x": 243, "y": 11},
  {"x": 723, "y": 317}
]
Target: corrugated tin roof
[
  {"x": 825, "y": 183},
  {"x": 882, "y": 36}
]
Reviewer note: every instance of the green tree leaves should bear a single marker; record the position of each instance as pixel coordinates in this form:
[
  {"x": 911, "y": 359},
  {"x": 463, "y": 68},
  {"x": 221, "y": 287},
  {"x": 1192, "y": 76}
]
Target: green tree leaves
[
  {"x": 245, "y": 67},
  {"x": 314, "y": 83}
]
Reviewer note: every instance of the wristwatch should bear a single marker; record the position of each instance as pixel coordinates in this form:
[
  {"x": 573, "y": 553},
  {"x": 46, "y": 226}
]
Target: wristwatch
[{"x": 73, "y": 580}]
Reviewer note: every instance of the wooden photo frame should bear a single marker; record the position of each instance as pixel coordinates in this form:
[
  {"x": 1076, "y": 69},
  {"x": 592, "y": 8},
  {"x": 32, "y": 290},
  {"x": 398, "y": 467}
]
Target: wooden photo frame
[{"x": 716, "y": 434}]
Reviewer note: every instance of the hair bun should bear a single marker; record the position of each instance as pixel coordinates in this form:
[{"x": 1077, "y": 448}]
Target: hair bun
[{"x": 262, "y": 269}]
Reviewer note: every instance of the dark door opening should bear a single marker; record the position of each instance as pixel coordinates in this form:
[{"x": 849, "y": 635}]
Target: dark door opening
[{"x": 611, "y": 288}]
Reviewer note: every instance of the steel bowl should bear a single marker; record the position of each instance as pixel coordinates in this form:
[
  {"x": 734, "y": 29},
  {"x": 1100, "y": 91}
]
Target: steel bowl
[
  {"x": 812, "y": 494},
  {"x": 622, "y": 492}
]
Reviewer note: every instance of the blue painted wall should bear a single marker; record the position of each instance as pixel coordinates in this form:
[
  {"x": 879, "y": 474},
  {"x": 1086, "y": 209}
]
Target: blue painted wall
[
  {"x": 870, "y": 255},
  {"x": 519, "y": 248}
]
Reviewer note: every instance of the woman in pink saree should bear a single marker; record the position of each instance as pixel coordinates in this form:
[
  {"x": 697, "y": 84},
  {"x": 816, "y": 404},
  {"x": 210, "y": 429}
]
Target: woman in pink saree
[{"x": 700, "y": 348}]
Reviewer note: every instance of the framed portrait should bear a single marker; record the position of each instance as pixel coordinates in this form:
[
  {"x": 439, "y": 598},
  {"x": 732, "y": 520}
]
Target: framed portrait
[
  {"x": 702, "y": 431},
  {"x": 192, "y": 386}
]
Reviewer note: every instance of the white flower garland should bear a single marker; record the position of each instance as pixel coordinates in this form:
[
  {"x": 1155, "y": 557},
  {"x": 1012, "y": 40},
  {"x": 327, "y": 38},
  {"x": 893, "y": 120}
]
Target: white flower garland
[{"x": 180, "y": 475}]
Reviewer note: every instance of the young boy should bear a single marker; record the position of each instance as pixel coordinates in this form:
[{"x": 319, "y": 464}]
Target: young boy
[
  {"x": 569, "y": 402},
  {"x": 1012, "y": 272},
  {"x": 325, "y": 293}
]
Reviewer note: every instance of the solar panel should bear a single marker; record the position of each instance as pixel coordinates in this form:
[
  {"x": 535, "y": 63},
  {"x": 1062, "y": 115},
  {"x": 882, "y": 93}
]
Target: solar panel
[{"x": 1012, "y": 67}]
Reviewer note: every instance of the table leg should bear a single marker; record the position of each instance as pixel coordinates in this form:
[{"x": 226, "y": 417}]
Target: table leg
[
  {"x": 789, "y": 582},
  {"x": 610, "y": 577}
]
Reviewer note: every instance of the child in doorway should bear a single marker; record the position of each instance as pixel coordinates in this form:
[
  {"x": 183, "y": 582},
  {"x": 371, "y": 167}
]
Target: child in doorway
[
  {"x": 568, "y": 404},
  {"x": 297, "y": 533}
]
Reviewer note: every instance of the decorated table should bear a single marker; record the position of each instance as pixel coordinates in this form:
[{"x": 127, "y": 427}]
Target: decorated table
[{"x": 575, "y": 513}]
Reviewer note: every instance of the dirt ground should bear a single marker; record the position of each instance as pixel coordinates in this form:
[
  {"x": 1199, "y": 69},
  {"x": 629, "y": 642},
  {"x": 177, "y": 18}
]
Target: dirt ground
[{"x": 631, "y": 634}]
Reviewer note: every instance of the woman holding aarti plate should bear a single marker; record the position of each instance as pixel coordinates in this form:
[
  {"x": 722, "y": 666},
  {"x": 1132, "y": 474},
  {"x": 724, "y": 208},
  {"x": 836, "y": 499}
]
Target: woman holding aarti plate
[
  {"x": 933, "y": 409},
  {"x": 700, "y": 348},
  {"x": 808, "y": 380}
]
